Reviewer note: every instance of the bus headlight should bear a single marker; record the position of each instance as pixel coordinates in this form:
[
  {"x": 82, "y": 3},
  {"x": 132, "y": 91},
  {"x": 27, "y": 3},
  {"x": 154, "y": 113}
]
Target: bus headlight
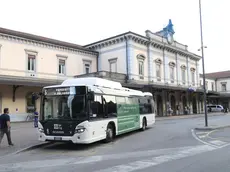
[
  {"x": 79, "y": 129},
  {"x": 41, "y": 130}
]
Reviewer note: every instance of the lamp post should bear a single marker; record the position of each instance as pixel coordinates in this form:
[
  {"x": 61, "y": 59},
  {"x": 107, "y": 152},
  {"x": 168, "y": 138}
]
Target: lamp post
[{"x": 202, "y": 51}]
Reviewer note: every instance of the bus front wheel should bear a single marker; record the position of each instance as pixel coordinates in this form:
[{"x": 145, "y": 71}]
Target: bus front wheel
[{"x": 109, "y": 133}]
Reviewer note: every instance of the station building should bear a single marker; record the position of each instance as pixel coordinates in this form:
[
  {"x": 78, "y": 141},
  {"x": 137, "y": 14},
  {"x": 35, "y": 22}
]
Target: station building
[
  {"x": 29, "y": 62},
  {"x": 152, "y": 62}
]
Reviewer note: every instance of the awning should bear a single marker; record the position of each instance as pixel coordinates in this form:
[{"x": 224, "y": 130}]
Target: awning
[
  {"x": 28, "y": 81},
  {"x": 212, "y": 93}
]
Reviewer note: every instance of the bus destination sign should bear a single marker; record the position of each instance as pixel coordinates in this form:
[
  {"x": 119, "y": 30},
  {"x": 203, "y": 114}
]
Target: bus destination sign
[{"x": 58, "y": 91}]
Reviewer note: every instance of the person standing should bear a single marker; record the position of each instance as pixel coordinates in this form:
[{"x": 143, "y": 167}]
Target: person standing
[
  {"x": 35, "y": 118},
  {"x": 5, "y": 126}
]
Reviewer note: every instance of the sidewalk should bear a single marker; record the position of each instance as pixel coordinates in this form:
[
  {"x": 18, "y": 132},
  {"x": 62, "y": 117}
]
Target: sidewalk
[
  {"x": 189, "y": 116},
  {"x": 23, "y": 135}
]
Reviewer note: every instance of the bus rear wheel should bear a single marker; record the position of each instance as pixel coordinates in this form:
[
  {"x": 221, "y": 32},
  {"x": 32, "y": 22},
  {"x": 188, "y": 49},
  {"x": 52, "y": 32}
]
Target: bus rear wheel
[
  {"x": 109, "y": 133},
  {"x": 144, "y": 124}
]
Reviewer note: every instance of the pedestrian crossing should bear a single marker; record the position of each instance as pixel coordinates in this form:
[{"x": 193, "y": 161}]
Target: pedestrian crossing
[
  {"x": 120, "y": 162},
  {"x": 205, "y": 138},
  {"x": 139, "y": 160}
]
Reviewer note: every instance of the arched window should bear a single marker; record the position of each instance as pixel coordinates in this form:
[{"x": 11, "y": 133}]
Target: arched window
[
  {"x": 183, "y": 73},
  {"x": 141, "y": 59},
  {"x": 158, "y": 68},
  {"x": 30, "y": 107},
  {"x": 193, "y": 75},
  {"x": 172, "y": 71}
]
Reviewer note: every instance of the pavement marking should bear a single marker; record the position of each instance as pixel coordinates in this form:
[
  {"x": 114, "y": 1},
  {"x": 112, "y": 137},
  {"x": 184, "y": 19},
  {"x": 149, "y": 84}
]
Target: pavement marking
[
  {"x": 143, "y": 164},
  {"x": 206, "y": 143},
  {"x": 218, "y": 142},
  {"x": 214, "y": 142},
  {"x": 220, "y": 138},
  {"x": 202, "y": 132},
  {"x": 48, "y": 163},
  {"x": 96, "y": 159},
  {"x": 203, "y": 136}
]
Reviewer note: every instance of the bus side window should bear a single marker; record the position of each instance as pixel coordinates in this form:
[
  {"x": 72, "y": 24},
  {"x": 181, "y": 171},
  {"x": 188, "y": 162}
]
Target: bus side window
[
  {"x": 152, "y": 105},
  {"x": 120, "y": 101},
  {"x": 145, "y": 105},
  {"x": 110, "y": 106},
  {"x": 131, "y": 100},
  {"x": 97, "y": 107}
]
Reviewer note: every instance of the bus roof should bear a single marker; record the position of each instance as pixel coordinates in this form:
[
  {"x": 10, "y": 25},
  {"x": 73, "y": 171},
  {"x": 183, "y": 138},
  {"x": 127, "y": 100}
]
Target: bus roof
[
  {"x": 92, "y": 81},
  {"x": 147, "y": 94},
  {"x": 99, "y": 83}
]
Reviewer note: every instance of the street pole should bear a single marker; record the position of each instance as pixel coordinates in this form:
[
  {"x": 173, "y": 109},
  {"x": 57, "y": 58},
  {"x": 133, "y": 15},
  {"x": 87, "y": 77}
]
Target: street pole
[{"x": 202, "y": 51}]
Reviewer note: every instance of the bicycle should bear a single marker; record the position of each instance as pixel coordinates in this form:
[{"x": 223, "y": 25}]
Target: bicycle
[{"x": 30, "y": 117}]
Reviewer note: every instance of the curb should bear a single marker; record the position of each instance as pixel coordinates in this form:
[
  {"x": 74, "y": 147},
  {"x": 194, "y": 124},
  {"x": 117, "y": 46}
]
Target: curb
[
  {"x": 32, "y": 147},
  {"x": 211, "y": 128},
  {"x": 26, "y": 149},
  {"x": 21, "y": 121},
  {"x": 186, "y": 117}
]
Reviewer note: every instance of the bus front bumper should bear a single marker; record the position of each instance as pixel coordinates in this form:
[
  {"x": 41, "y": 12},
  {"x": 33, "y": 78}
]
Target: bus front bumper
[
  {"x": 76, "y": 138},
  {"x": 81, "y": 136}
]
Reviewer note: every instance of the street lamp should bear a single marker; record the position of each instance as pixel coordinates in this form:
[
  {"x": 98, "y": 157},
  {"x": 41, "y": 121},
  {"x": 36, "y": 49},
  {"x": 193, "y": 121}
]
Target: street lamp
[{"x": 202, "y": 51}]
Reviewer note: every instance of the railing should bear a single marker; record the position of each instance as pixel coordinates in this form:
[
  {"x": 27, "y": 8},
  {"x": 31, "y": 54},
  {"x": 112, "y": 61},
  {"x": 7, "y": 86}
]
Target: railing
[
  {"x": 119, "y": 77},
  {"x": 135, "y": 79}
]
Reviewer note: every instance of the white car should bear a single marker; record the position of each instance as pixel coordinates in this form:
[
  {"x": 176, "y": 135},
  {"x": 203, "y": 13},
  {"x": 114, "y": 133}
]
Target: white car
[{"x": 215, "y": 108}]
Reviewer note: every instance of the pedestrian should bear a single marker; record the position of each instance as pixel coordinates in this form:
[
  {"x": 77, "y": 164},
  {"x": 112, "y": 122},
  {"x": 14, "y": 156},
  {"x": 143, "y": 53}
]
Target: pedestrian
[
  {"x": 35, "y": 118},
  {"x": 5, "y": 126}
]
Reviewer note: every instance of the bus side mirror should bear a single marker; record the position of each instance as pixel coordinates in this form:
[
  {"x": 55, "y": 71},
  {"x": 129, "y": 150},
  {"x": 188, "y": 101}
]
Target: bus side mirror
[{"x": 91, "y": 95}]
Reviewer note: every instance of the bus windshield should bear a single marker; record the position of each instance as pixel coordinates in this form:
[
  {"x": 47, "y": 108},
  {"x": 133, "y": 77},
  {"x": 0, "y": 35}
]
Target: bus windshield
[{"x": 64, "y": 107}]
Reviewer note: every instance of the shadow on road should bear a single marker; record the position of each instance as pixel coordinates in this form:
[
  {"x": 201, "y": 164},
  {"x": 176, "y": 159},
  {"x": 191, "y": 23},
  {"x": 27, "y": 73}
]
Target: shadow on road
[{"x": 62, "y": 146}]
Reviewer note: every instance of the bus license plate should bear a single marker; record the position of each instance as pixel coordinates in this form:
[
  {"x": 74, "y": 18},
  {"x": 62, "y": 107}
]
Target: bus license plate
[{"x": 57, "y": 138}]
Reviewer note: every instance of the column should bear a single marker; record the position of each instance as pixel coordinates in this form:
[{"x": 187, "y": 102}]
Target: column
[
  {"x": 150, "y": 63},
  {"x": 191, "y": 103},
  {"x": 130, "y": 57},
  {"x": 197, "y": 75},
  {"x": 188, "y": 101},
  {"x": 164, "y": 102},
  {"x": 177, "y": 102},
  {"x": 178, "y": 71},
  {"x": 188, "y": 70},
  {"x": 99, "y": 59},
  {"x": 197, "y": 103},
  {"x": 166, "y": 67}
]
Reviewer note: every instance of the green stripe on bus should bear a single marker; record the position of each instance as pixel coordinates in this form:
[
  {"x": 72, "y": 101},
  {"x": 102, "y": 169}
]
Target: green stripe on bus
[{"x": 128, "y": 117}]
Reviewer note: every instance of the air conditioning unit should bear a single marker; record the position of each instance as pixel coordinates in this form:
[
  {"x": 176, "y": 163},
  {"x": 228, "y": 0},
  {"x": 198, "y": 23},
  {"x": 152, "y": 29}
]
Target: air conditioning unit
[
  {"x": 141, "y": 77},
  {"x": 31, "y": 74}
]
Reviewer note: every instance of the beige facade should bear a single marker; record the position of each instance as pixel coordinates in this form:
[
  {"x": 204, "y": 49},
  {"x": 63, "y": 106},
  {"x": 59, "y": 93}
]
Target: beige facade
[
  {"x": 29, "y": 62},
  {"x": 21, "y": 103},
  {"x": 150, "y": 62}
]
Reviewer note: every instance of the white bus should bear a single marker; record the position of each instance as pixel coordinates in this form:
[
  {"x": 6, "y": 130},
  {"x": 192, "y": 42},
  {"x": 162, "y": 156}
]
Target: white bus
[{"x": 86, "y": 110}]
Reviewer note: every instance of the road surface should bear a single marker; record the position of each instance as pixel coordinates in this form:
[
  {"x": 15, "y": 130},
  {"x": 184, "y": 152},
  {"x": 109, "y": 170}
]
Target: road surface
[{"x": 171, "y": 145}]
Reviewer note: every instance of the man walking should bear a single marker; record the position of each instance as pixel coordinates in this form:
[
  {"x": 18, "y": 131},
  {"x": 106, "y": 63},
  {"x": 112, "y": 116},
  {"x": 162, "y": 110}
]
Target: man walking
[{"x": 5, "y": 126}]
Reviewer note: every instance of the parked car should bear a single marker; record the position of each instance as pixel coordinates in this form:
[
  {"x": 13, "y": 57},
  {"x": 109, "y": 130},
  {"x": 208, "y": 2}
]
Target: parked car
[{"x": 215, "y": 108}]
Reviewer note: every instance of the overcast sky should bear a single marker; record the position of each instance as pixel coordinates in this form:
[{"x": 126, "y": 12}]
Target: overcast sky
[{"x": 85, "y": 21}]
